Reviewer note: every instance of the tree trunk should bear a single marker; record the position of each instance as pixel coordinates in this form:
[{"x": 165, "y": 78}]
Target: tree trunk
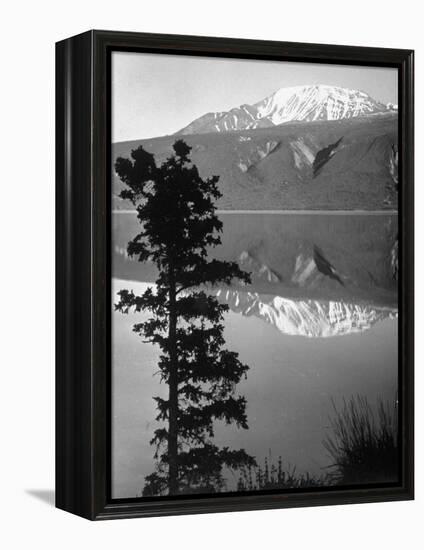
[{"x": 173, "y": 390}]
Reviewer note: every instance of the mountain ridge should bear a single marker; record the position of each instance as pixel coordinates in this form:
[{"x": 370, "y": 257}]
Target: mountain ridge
[
  {"x": 298, "y": 103},
  {"x": 297, "y": 165}
]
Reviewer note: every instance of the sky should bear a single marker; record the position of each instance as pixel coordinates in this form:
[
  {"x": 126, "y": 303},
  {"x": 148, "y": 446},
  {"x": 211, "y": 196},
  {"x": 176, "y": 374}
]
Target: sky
[{"x": 155, "y": 94}]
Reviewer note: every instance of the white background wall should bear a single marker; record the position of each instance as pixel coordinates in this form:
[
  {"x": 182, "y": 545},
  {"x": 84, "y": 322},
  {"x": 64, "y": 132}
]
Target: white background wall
[{"x": 28, "y": 32}]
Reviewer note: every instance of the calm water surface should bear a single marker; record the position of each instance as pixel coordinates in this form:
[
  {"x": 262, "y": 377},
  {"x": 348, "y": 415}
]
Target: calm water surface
[{"x": 308, "y": 337}]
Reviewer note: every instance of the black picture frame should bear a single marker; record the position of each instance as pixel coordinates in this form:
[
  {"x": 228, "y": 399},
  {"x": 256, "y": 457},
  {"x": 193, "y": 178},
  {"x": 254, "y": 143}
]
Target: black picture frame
[{"x": 83, "y": 161}]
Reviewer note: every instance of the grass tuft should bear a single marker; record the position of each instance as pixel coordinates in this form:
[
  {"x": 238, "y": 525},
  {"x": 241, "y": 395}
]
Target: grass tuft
[
  {"x": 275, "y": 476},
  {"x": 363, "y": 444}
]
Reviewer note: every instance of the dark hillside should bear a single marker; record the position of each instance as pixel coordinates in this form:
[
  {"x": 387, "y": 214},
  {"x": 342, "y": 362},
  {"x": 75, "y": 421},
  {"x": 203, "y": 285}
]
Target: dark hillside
[{"x": 345, "y": 164}]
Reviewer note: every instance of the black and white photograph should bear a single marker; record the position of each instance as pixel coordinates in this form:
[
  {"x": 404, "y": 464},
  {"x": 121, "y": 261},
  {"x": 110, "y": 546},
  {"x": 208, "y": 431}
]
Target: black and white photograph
[
  {"x": 211, "y": 237},
  {"x": 254, "y": 275}
]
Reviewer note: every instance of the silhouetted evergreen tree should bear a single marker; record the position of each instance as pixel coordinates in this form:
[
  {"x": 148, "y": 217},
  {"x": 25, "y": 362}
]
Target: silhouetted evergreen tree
[{"x": 176, "y": 210}]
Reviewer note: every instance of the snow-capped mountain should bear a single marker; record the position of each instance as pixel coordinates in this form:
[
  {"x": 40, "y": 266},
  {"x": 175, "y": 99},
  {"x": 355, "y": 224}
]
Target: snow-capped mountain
[
  {"x": 310, "y": 318},
  {"x": 299, "y": 103},
  {"x": 313, "y": 318}
]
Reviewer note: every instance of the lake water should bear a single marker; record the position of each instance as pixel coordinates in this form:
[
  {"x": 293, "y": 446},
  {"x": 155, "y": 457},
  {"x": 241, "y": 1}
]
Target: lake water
[{"x": 318, "y": 322}]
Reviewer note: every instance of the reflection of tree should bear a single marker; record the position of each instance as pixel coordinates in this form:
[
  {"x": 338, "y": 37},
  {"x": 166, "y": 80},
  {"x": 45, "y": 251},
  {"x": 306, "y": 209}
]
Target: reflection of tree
[{"x": 176, "y": 210}]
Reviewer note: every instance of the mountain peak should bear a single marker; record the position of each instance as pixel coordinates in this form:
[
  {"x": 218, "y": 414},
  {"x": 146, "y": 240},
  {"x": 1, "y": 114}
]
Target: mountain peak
[{"x": 297, "y": 103}]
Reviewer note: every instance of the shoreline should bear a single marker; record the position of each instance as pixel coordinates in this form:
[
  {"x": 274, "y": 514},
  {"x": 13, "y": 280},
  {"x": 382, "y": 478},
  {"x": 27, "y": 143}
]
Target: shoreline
[{"x": 294, "y": 212}]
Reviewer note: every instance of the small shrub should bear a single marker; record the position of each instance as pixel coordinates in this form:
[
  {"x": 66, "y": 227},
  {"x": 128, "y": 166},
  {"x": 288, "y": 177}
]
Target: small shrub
[
  {"x": 271, "y": 476},
  {"x": 363, "y": 445}
]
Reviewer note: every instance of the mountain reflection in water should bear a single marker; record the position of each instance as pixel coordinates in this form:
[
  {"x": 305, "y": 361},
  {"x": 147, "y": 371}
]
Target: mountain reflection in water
[
  {"x": 311, "y": 318},
  {"x": 313, "y": 276}
]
